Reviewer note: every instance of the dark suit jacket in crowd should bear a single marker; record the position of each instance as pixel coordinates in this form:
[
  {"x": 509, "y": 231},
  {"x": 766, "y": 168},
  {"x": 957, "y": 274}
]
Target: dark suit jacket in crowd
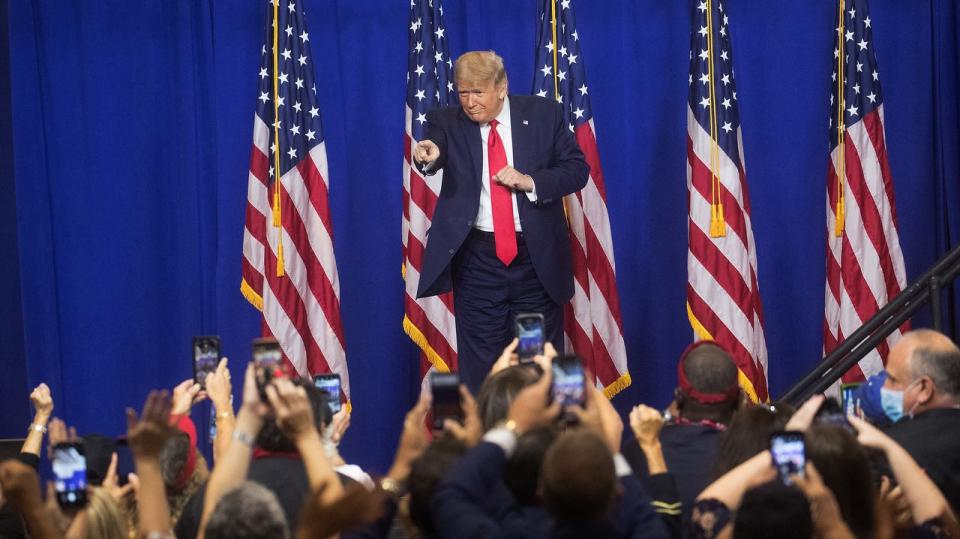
[
  {"x": 545, "y": 149},
  {"x": 689, "y": 451},
  {"x": 473, "y": 502},
  {"x": 933, "y": 440}
]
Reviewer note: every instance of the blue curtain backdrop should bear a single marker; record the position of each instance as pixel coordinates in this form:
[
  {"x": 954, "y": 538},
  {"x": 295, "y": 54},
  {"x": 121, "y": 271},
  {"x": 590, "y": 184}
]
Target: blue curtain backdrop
[{"x": 131, "y": 133}]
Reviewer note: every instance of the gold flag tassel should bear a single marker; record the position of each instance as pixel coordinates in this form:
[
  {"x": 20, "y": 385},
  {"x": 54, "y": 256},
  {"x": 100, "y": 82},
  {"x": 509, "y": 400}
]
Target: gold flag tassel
[
  {"x": 277, "y": 220},
  {"x": 718, "y": 226},
  {"x": 840, "y": 212}
]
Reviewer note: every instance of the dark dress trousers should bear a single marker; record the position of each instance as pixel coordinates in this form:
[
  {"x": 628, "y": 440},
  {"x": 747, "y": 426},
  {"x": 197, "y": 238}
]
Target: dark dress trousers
[{"x": 545, "y": 149}]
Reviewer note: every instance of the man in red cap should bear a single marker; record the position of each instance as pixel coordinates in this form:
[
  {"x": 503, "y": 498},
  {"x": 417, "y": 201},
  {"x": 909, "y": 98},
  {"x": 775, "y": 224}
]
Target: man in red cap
[{"x": 706, "y": 397}]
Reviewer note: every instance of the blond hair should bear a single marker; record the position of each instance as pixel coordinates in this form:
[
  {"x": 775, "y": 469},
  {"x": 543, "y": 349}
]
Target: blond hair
[
  {"x": 480, "y": 66},
  {"x": 104, "y": 518}
]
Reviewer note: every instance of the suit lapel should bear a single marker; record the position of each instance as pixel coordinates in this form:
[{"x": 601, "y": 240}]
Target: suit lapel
[{"x": 520, "y": 132}]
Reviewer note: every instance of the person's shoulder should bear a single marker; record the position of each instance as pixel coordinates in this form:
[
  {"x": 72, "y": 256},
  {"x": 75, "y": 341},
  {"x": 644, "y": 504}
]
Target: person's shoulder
[{"x": 533, "y": 102}]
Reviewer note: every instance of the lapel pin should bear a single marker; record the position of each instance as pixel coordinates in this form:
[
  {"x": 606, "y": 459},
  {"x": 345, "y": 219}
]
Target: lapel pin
[{"x": 526, "y": 122}]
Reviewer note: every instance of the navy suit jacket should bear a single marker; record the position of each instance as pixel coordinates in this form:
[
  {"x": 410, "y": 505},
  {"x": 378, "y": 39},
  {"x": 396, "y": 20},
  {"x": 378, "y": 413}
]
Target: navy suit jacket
[{"x": 545, "y": 149}]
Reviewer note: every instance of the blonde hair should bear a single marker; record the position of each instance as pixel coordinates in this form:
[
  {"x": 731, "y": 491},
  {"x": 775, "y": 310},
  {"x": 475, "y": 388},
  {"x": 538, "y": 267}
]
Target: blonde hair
[
  {"x": 104, "y": 518},
  {"x": 480, "y": 66}
]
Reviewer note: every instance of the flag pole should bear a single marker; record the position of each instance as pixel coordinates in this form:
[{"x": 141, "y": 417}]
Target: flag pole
[
  {"x": 277, "y": 221},
  {"x": 841, "y": 136},
  {"x": 718, "y": 226},
  {"x": 553, "y": 26}
]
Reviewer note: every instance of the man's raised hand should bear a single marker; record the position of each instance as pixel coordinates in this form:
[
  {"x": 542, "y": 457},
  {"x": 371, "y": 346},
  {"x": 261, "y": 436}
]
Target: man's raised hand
[{"x": 425, "y": 152}]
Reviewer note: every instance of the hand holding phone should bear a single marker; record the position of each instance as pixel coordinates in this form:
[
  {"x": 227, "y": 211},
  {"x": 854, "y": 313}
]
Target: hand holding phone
[
  {"x": 70, "y": 475},
  {"x": 568, "y": 384},
  {"x": 269, "y": 364},
  {"x": 445, "y": 389},
  {"x": 330, "y": 383},
  {"x": 831, "y": 413},
  {"x": 530, "y": 334},
  {"x": 206, "y": 356},
  {"x": 788, "y": 449}
]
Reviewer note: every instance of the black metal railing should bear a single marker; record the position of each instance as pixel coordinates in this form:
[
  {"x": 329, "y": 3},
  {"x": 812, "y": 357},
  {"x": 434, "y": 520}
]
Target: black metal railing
[{"x": 926, "y": 289}]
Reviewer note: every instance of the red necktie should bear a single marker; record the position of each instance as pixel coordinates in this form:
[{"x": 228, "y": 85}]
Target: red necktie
[{"x": 501, "y": 200}]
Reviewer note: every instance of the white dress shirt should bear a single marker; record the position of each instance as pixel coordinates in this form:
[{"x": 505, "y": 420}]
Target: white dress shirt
[{"x": 484, "y": 219}]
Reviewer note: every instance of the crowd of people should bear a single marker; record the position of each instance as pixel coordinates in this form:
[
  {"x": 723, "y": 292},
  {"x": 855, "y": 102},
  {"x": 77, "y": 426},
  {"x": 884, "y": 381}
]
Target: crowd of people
[{"x": 517, "y": 465}]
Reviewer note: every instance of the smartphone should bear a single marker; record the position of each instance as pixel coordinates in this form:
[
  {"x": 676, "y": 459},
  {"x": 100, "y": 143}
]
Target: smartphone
[
  {"x": 331, "y": 384},
  {"x": 268, "y": 363},
  {"x": 445, "y": 389},
  {"x": 530, "y": 332},
  {"x": 70, "y": 475},
  {"x": 568, "y": 384},
  {"x": 206, "y": 356},
  {"x": 831, "y": 413},
  {"x": 789, "y": 454},
  {"x": 848, "y": 399}
]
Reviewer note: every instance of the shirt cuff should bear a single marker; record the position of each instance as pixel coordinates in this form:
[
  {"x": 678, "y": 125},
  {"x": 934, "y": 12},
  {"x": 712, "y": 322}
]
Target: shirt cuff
[
  {"x": 502, "y": 437},
  {"x": 532, "y": 195},
  {"x": 621, "y": 465}
]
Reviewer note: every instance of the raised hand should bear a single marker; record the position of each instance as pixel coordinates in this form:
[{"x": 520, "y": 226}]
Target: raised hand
[
  {"x": 185, "y": 395},
  {"x": 646, "y": 423},
  {"x": 148, "y": 434},
  {"x": 42, "y": 401},
  {"x": 292, "y": 408},
  {"x": 471, "y": 430},
  {"x": 219, "y": 388},
  {"x": 426, "y": 151}
]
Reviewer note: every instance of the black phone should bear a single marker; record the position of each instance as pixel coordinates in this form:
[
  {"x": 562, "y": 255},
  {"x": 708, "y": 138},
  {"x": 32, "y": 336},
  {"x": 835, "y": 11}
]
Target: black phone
[
  {"x": 530, "y": 334},
  {"x": 206, "y": 356},
  {"x": 268, "y": 363},
  {"x": 445, "y": 390},
  {"x": 330, "y": 383},
  {"x": 847, "y": 399},
  {"x": 70, "y": 475},
  {"x": 831, "y": 413},
  {"x": 789, "y": 452},
  {"x": 569, "y": 384}
]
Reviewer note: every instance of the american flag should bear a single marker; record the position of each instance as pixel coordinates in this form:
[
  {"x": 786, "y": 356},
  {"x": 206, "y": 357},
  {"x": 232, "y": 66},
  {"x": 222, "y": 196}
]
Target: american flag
[
  {"x": 429, "y": 321},
  {"x": 290, "y": 272},
  {"x": 593, "y": 327},
  {"x": 864, "y": 262},
  {"x": 723, "y": 297}
]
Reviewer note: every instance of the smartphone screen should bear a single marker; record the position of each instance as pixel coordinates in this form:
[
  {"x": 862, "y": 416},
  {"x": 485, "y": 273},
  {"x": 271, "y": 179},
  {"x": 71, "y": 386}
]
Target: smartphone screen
[
  {"x": 331, "y": 384},
  {"x": 268, "y": 363},
  {"x": 831, "y": 413},
  {"x": 789, "y": 454},
  {"x": 206, "y": 355},
  {"x": 70, "y": 475},
  {"x": 568, "y": 381},
  {"x": 445, "y": 389},
  {"x": 530, "y": 334},
  {"x": 847, "y": 399}
]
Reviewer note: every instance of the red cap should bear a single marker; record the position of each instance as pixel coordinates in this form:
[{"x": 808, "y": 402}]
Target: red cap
[
  {"x": 687, "y": 388},
  {"x": 185, "y": 424}
]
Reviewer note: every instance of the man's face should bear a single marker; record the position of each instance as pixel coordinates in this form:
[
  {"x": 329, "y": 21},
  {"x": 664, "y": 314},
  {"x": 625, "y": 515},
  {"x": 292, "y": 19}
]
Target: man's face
[
  {"x": 899, "y": 377},
  {"x": 481, "y": 100}
]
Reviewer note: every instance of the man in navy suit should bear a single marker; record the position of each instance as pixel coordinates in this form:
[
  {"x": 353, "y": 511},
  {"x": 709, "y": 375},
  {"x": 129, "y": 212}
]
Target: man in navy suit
[{"x": 499, "y": 236}]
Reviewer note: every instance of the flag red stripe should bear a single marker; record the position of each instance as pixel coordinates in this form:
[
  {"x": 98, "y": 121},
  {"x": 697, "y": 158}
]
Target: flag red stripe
[
  {"x": 588, "y": 145},
  {"x": 317, "y": 189},
  {"x": 701, "y": 178},
  {"x": 722, "y": 270},
  {"x": 317, "y": 280},
  {"x": 870, "y": 216},
  {"x": 725, "y": 337},
  {"x": 436, "y": 339}
]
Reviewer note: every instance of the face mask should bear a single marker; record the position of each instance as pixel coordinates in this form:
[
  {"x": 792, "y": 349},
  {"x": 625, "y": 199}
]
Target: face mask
[{"x": 892, "y": 402}]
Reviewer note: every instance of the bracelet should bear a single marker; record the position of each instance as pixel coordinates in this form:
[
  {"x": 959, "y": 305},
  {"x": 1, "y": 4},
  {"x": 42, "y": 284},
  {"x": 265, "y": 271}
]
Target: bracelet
[
  {"x": 37, "y": 427},
  {"x": 243, "y": 438},
  {"x": 224, "y": 415}
]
